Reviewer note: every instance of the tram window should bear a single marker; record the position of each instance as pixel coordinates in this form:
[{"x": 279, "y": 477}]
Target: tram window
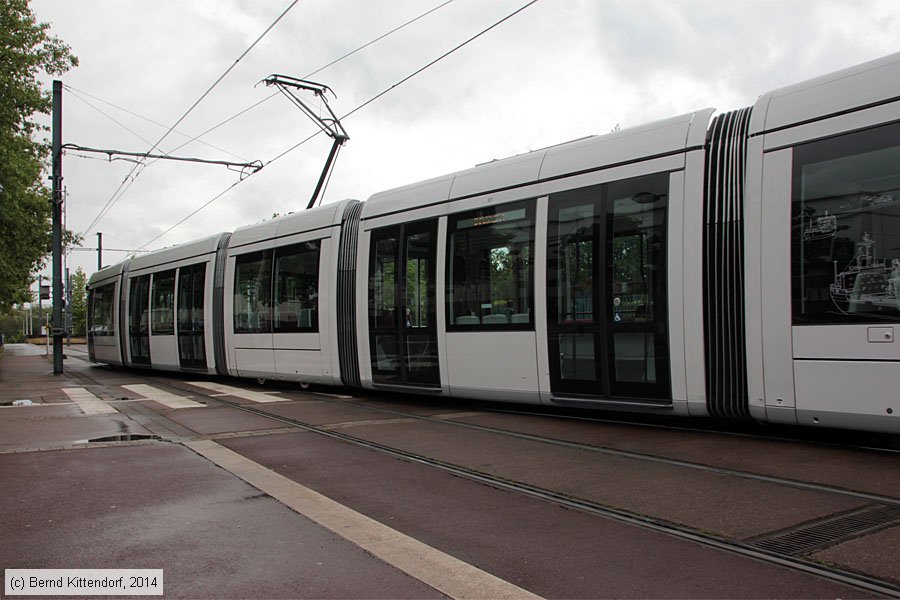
[
  {"x": 191, "y": 342},
  {"x": 190, "y": 298},
  {"x": 102, "y": 303},
  {"x": 845, "y": 229},
  {"x": 162, "y": 309},
  {"x": 297, "y": 288},
  {"x": 383, "y": 281},
  {"x": 637, "y": 210},
  {"x": 489, "y": 268},
  {"x": 252, "y": 293}
]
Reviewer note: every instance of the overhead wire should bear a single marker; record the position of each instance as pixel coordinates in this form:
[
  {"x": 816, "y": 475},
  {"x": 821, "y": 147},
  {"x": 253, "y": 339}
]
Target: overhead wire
[
  {"x": 108, "y": 116},
  {"x": 80, "y": 93},
  {"x": 358, "y": 108},
  {"x": 267, "y": 98},
  {"x": 413, "y": 74},
  {"x": 319, "y": 70},
  {"x": 131, "y": 175}
]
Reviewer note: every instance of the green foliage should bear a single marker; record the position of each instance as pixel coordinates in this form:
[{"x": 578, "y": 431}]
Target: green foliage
[
  {"x": 11, "y": 326},
  {"x": 79, "y": 303},
  {"x": 26, "y": 51}
]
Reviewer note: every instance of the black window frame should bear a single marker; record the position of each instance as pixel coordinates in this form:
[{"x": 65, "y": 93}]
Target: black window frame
[
  {"x": 265, "y": 291},
  {"x": 105, "y": 297},
  {"x": 268, "y": 274},
  {"x": 600, "y": 321},
  {"x": 191, "y": 316},
  {"x": 489, "y": 216},
  {"x": 155, "y": 311},
  {"x": 313, "y": 247},
  {"x": 824, "y": 229}
]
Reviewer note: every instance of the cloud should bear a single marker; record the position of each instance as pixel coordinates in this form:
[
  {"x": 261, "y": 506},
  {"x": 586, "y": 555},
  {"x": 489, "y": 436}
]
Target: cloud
[{"x": 560, "y": 70}]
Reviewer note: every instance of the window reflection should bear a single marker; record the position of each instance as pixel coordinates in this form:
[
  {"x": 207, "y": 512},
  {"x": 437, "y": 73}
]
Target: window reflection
[
  {"x": 846, "y": 229},
  {"x": 252, "y": 293},
  {"x": 102, "y": 302},
  {"x": 490, "y": 268},
  {"x": 297, "y": 288},
  {"x": 606, "y": 289},
  {"x": 163, "y": 309},
  {"x": 294, "y": 287}
]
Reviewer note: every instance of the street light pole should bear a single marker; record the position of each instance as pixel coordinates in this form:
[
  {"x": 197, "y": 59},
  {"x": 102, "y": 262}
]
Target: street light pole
[{"x": 56, "y": 201}]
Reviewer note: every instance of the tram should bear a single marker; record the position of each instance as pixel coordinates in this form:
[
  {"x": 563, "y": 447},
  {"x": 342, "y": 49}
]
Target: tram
[{"x": 742, "y": 265}]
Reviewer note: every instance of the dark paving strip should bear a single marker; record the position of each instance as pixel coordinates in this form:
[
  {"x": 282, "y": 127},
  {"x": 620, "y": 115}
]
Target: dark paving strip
[
  {"x": 700, "y": 500},
  {"x": 853, "y": 472},
  {"x": 874, "y": 472},
  {"x": 875, "y": 554},
  {"x": 612, "y": 481},
  {"x": 162, "y": 506},
  {"x": 534, "y": 544},
  {"x": 430, "y": 566},
  {"x": 762, "y": 519},
  {"x": 212, "y": 420}
]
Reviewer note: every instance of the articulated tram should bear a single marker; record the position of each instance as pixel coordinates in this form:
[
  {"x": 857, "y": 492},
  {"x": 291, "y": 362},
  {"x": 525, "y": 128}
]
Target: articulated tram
[{"x": 744, "y": 265}]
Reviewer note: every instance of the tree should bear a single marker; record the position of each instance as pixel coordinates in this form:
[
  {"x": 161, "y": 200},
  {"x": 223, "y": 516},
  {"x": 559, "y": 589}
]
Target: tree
[
  {"x": 79, "y": 303},
  {"x": 26, "y": 50}
]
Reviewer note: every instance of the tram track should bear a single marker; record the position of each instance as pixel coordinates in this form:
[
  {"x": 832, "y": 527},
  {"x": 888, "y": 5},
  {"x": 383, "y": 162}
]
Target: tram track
[
  {"x": 748, "y": 549},
  {"x": 809, "y": 486},
  {"x": 581, "y": 446},
  {"x": 801, "y": 438}
]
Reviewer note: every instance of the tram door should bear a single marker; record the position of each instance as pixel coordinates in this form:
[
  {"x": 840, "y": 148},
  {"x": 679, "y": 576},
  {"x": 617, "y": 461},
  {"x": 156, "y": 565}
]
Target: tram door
[
  {"x": 191, "y": 349},
  {"x": 139, "y": 320},
  {"x": 402, "y": 319},
  {"x": 606, "y": 305}
]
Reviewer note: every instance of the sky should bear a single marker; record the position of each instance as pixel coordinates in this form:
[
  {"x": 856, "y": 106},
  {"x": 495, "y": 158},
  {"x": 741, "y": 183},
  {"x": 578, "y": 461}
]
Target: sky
[{"x": 556, "y": 71}]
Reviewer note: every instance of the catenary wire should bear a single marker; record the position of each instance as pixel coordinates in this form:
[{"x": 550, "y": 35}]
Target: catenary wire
[
  {"x": 413, "y": 74},
  {"x": 361, "y": 106},
  {"x": 78, "y": 96},
  {"x": 269, "y": 97},
  {"x": 320, "y": 69},
  {"x": 130, "y": 178},
  {"x": 80, "y": 93}
]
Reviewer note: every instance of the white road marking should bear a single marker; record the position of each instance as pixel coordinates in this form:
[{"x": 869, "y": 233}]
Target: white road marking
[
  {"x": 163, "y": 397},
  {"x": 338, "y": 396},
  {"x": 429, "y": 565},
  {"x": 88, "y": 402},
  {"x": 239, "y": 392},
  {"x": 460, "y": 415},
  {"x": 347, "y": 424}
]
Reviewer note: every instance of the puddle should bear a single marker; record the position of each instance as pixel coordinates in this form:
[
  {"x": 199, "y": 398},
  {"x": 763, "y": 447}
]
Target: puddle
[{"x": 126, "y": 437}]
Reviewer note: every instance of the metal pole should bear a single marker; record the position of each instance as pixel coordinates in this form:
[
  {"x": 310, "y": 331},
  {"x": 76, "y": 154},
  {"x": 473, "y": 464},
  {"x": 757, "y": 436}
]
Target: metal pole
[
  {"x": 56, "y": 201},
  {"x": 338, "y": 141},
  {"x": 68, "y": 308},
  {"x": 40, "y": 305},
  {"x": 99, "y": 250}
]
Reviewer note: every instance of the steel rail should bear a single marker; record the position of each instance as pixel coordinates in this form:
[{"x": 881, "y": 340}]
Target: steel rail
[{"x": 857, "y": 580}]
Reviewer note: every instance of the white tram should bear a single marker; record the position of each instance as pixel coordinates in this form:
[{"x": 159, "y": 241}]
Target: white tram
[{"x": 745, "y": 265}]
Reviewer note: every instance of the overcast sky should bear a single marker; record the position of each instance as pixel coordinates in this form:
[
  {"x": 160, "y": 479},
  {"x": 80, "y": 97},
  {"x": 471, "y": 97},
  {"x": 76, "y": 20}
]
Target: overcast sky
[{"x": 559, "y": 70}]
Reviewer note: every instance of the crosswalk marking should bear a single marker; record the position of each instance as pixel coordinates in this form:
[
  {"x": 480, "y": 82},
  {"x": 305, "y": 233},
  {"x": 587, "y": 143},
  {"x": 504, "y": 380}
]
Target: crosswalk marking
[
  {"x": 163, "y": 397},
  {"x": 88, "y": 402},
  {"x": 239, "y": 392}
]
